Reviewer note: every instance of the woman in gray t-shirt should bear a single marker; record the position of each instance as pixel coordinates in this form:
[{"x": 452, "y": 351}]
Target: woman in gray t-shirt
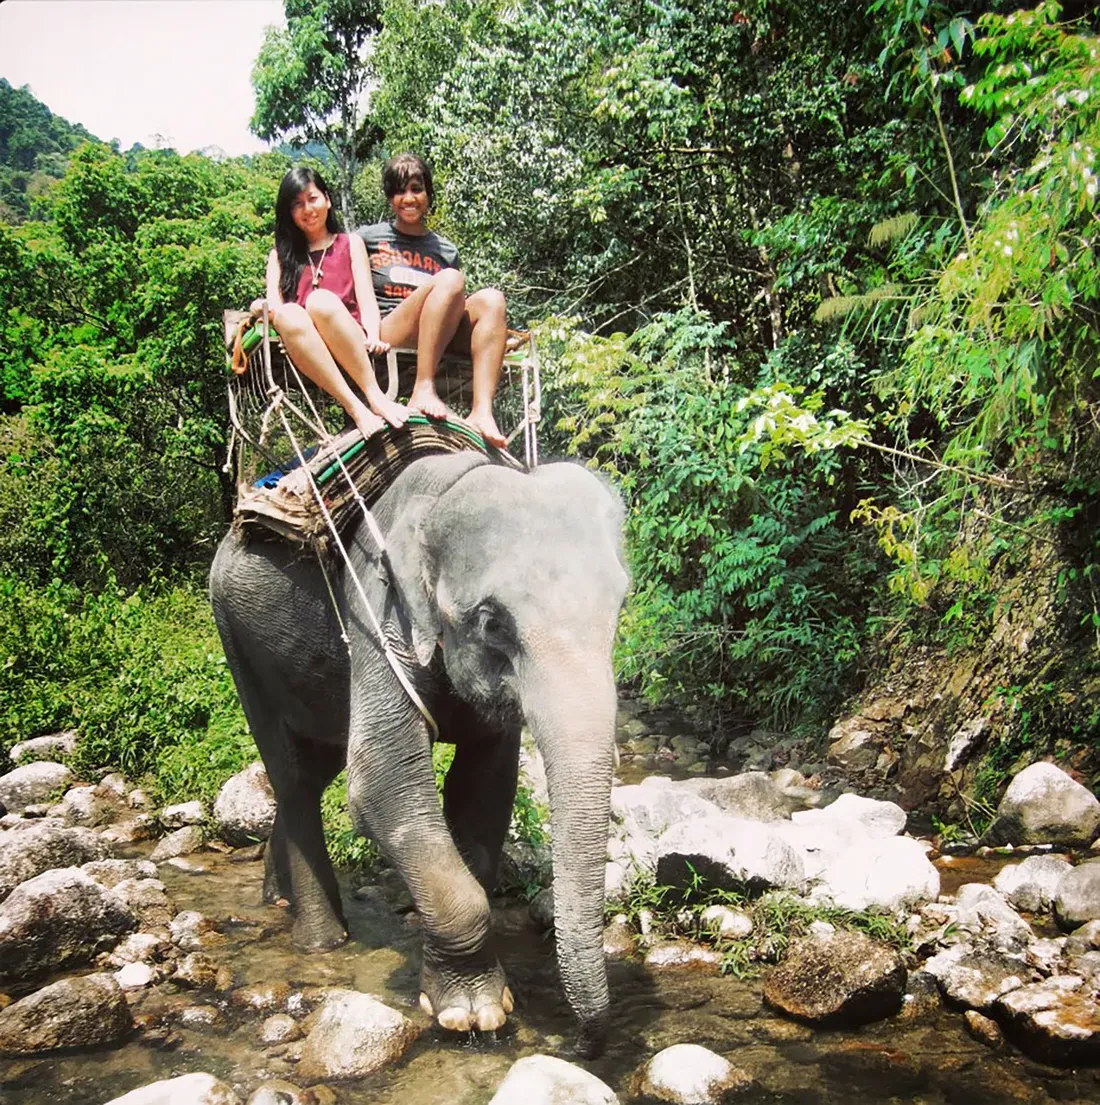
[{"x": 422, "y": 296}]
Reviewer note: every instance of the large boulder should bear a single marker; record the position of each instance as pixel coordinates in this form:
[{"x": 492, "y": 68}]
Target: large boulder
[
  {"x": 1077, "y": 898},
  {"x": 688, "y": 1074},
  {"x": 188, "y": 1089},
  {"x": 32, "y": 784},
  {"x": 729, "y": 852},
  {"x": 88, "y": 805},
  {"x": 90, "y": 1011},
  {"x": 890, "y": 874},
  {"x": 874, "y": 818},
  {"x": 1032, "y": 885},
  {"x": 30, "y": 851},
  {"x": 752, "y": 795},
  {"x": 1043, "y": 805},
  {"x": 353, "y": 1035},
  {"x": 183, "y": 813},
  {"x": 647, "y": 809},
  {"x": 245, "y": 807},
  {"x": 54, "y": 747},
  {"x": 842, "y": 978},
  {"x": 1057, "y": 1020},
  {"x": 61, "y": 918},
  {"x": 545, "y": 1080}
]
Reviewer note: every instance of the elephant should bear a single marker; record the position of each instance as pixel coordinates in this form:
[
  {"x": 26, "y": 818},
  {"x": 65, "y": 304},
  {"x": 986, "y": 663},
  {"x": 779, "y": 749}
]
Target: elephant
[{"x": 499, "y": 592}]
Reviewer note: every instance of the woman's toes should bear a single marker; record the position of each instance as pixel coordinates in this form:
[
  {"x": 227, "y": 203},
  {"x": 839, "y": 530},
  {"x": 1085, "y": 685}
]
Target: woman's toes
[{"x": 425, "y": 400}]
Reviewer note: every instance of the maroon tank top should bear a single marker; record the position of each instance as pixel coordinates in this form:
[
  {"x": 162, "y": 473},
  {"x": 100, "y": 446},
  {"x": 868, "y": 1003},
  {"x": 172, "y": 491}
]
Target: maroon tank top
[{"x": 335, "y": 271}]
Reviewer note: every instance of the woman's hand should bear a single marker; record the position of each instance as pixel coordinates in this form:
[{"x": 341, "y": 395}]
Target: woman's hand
[{"x": 375, "y": 345}]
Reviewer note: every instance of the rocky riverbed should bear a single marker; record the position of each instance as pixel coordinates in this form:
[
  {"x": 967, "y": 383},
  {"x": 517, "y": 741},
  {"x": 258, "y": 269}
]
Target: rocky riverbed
[{"x": 137, "y": 966}]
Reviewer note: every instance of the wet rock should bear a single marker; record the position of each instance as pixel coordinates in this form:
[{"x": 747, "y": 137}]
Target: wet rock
[
  {"x": 84, "y": 806},
  {"x": 131, "y": 831},
  {"x": 283, "y": 1093},
  {"x": 687, "y": 1074},
  {"x": 77, "y": 1012},
  {"x": 250, "y": 853},
  {"x": 876, "y": 820},
  {"x": 245, "y": 807},
  {"x": 54, "y": 747},
  {"x": 890, "y": 874},
  {"x": 58, "y": 919},
  {"x": 853, "y": 745},
  {"x": 618, "y": 940},
  {"x": 139, "y": 947},
  {"x": 30, "y": 851},
  {"x": 148, "y": 900},
  {"x": 1043, "y": 805},
  {"x": 183, "y": 813},
  {"x": 110, "y": 872},
  {"x": 279, "y": 1029},
  {"x": 1056, "y": 1020},
  {"x": 976, "y": 978},
  {"x": 729, "y": 852},
  {"x": 1046, "y": 955},
  {"x": 727, "y": 922},
  {"x": 545, "y": 1080},
  {"x": 137, "y": 799},
  {"x": 191, "y": 930},
  {"x": 353, "y": 1035},
  {"x": 541, "y": 908},
  {"x": 135, "y": 976},
  {"x": 1084, "y": 939},
  {"x": 981, "y": 911},
  {"x": 1087, "y": 966},
  {"x": 189, "y": 866},
  {"x": 983, "y": 1029},
  {"x": 201, "y": 1016},
  {"x": 262, "y": 997},
  {"x": 180, "y": 843},
  {"x": 1031, "y": 885},
  {"x": 196, "y": 971},
  {"x": 752, "y": 795},
  {"x": 1077, "y": 899},
  {"x": 188, "y": 1089},
  {"x": 844, "y": 979},
  {"x": 524, "y": 865},
  {"x": 921, "y": 1000},
  {"x": 673, "y": 954},
  {"x": 32, "y": 783}
]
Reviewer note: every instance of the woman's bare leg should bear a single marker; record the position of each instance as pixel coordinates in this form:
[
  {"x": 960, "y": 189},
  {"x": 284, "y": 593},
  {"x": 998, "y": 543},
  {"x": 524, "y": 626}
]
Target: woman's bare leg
[
  {"x": 309, "y": 353},
  {"x": 484, "y": 328},
  {"x": 429, "y": 317},
  {"x": 347, "y": 343}
]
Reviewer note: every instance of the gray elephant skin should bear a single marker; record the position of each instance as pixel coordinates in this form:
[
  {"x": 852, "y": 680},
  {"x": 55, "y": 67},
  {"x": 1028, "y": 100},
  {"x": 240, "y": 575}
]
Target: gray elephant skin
[{"x": 499, "y": 594}]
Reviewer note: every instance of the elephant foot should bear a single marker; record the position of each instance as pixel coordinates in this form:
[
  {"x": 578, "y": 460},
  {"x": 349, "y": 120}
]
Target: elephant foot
[
  {"x": 312, "y": 935},
  {"x": 464, "y": 1007}
]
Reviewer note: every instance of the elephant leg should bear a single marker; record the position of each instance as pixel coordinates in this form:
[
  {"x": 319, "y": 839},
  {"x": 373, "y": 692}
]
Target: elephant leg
[
  {"x": 393, "y": 799},
  {"x": 478, "y": 796},
  {"x": 276, "y": 864}
]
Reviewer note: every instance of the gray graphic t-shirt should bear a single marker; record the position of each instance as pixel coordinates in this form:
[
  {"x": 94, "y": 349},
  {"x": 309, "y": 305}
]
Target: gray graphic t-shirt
[{"x": 400, "y": 263}]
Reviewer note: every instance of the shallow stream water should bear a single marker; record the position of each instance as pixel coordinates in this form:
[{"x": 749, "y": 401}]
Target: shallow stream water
[{"x": 922, "y": 1063}]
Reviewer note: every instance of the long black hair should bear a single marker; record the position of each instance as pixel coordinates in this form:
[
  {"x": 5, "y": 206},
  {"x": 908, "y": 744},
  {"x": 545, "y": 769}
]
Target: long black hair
[{"x": 291, "y": 246}]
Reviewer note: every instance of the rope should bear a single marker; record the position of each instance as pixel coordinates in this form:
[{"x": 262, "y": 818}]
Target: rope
[{"x": 395, "y": 664}]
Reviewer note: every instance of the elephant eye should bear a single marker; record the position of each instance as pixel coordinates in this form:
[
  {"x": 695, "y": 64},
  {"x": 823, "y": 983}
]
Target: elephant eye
[{"x": 493, "y": 625}]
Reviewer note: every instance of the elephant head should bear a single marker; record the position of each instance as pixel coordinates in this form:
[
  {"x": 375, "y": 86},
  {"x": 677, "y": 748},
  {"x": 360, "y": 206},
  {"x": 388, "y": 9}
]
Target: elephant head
[{"x": 520, "y": 579}]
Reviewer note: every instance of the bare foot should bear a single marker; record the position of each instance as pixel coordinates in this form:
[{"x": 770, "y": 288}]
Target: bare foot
[
  {"x": 425, "y": 400},
  {"x": 366, "y": 421},
  {"x": 486, "y": 425},
  {"x": 393, "y": 412}
]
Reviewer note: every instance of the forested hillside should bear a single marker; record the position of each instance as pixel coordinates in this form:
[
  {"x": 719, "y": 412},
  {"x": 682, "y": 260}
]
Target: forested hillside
[{"x": 815, "y": 284}]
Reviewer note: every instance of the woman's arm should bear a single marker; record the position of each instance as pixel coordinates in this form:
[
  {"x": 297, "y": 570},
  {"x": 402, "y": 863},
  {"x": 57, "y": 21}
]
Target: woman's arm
[
  {"x": 364, "y": 294},
  {"x": 274, "y": 275}
]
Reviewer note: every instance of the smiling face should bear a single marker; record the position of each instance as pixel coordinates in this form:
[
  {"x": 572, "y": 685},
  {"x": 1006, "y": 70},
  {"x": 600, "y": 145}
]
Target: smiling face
[
  {"x": 310, "y": 213},
  {"x": 410, "y": 206}
]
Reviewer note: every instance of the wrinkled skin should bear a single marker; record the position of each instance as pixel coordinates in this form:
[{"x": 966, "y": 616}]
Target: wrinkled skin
[{"x": 500, "y": 598}]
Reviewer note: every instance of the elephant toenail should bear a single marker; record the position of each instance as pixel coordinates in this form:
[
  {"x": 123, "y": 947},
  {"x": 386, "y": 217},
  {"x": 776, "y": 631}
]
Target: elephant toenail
[
  {"x": 426, "y": 1004},
  {"x": 456, "y": 1019},
  {"x": 490, "y": 1018},
  {"x": 506, "y": 1000}
]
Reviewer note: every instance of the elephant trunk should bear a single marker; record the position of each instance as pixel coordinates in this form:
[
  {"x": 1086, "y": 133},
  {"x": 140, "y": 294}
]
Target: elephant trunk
[{"x": 572, "y": 718}]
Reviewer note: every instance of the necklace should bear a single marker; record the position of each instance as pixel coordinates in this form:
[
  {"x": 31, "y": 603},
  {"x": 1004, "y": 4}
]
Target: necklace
[{"x": 317, "y": 270}]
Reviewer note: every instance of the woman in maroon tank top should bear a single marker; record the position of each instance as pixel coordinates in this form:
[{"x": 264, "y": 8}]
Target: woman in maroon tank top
[{"x": 319, "y": 288}]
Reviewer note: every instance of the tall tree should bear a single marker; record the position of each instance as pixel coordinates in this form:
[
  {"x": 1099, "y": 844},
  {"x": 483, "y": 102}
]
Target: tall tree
[{"x": 310, "y": 81}]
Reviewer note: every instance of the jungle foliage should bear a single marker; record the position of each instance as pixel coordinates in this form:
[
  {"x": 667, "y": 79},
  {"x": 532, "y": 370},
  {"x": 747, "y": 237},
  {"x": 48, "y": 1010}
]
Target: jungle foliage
[{"x": 815, "y": 284}]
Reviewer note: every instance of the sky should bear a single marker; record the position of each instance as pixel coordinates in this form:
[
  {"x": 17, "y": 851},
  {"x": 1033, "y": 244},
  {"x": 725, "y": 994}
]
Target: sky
[{"x": 136, "y": 69}]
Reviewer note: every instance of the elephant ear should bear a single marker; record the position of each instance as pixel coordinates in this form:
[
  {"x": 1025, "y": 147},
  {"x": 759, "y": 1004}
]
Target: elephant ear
[{"x": 414, "y": 573}]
